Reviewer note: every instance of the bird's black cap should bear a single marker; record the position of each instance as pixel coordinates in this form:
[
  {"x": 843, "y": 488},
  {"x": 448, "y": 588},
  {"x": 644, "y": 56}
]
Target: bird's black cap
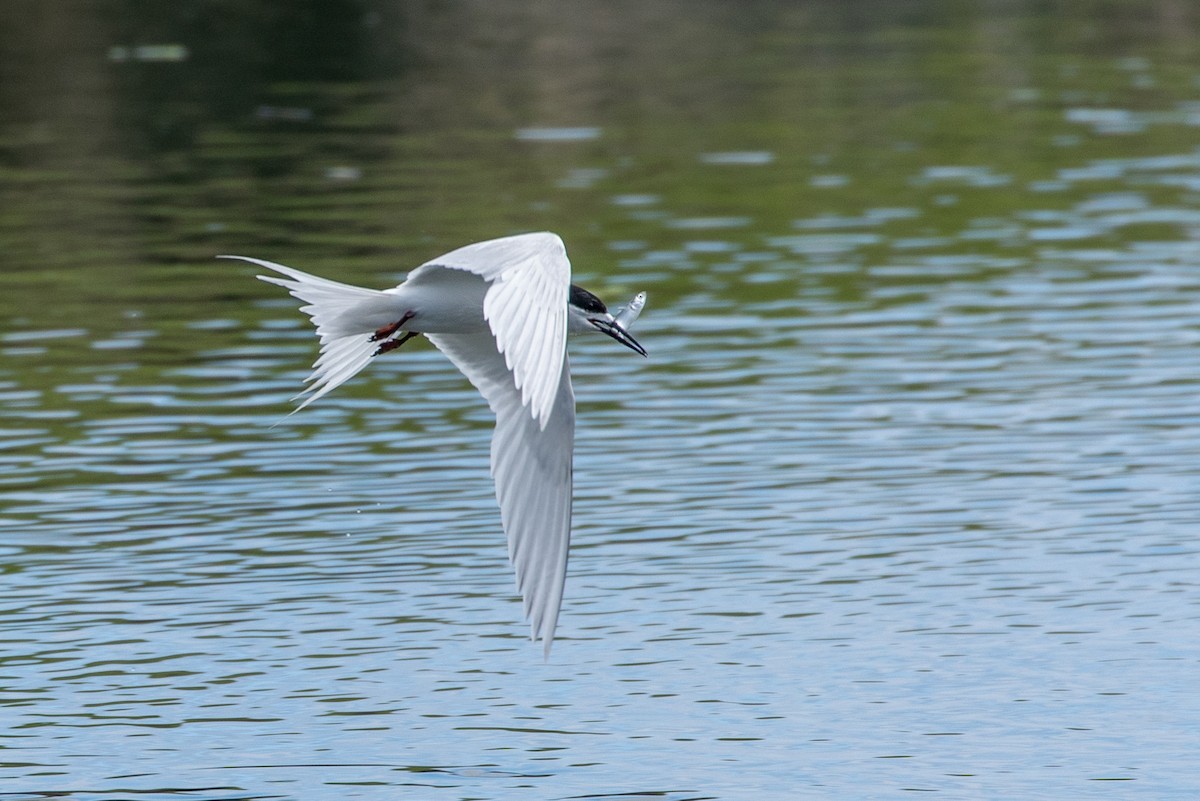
[{"x": 582, "y": 299}]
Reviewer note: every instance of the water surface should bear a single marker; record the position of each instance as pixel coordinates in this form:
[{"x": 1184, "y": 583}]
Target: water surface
[{"x": 904, "y": 499}]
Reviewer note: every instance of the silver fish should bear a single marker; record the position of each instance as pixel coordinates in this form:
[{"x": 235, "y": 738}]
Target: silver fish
[{"x": 625, "y": 316}]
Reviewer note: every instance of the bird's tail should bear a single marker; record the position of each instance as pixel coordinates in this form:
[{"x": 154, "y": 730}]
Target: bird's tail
[{"x": 346, "y": 318}]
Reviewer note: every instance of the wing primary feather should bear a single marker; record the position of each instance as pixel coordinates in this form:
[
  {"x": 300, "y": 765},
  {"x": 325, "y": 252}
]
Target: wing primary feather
[{"x": 532, "y": 469}]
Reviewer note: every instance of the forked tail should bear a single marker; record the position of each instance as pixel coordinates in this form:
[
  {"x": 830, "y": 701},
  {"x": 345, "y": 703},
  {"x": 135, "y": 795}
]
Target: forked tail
[{"x": 346, "y": 318}]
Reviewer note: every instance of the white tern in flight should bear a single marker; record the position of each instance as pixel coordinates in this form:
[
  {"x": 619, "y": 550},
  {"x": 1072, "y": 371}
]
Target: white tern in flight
[{"x": 500, "y": 311}]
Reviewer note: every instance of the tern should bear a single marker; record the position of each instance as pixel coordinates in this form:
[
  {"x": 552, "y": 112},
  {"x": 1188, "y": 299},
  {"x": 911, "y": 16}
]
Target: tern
[{"x": 500, "y": 310}]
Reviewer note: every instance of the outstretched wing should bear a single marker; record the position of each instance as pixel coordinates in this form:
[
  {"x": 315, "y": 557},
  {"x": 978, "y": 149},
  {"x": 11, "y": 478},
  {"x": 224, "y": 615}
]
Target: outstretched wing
[
  {"x": 525, "y": 307},
  {"x": 531, "y": 463}
]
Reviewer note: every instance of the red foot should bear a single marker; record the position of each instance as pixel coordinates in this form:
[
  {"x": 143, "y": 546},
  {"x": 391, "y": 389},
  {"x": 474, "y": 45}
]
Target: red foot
[{"x": 392, "y": 344}]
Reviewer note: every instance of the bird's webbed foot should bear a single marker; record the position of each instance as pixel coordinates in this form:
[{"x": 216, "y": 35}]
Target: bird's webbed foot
[{"x": 392, "y": 344}]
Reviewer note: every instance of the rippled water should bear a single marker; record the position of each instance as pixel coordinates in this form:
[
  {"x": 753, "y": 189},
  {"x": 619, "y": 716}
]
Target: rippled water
[{"x": 904, "y": 499}]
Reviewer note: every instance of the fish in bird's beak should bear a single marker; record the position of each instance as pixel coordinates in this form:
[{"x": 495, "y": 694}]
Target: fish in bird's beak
[{"x": 617, "y": 332}]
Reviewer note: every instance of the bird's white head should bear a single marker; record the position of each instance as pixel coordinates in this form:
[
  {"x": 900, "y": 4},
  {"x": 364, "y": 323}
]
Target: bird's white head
[{"x": 586, "y": 312}]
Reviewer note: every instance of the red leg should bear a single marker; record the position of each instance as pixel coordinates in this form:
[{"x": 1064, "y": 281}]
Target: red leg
[{"x": 383, "y": 332}]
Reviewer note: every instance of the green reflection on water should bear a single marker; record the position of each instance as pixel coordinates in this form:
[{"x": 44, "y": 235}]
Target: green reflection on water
[{"x": 821, "y": 139}]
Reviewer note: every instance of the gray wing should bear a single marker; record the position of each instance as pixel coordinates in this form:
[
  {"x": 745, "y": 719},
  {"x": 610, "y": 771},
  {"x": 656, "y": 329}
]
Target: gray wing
[{"x": 532, "y": 467}]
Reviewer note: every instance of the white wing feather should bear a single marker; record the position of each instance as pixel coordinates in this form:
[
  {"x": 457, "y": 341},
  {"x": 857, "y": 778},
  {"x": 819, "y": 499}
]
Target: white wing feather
[
  {"x": 532, "y": 467},
  {"x": 527, "y": 384},
  {"x": 525, "y": 306}
]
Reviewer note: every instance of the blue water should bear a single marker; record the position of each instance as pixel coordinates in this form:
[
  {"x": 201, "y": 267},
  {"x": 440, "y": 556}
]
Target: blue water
[{"x": 904, "y": 499}]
